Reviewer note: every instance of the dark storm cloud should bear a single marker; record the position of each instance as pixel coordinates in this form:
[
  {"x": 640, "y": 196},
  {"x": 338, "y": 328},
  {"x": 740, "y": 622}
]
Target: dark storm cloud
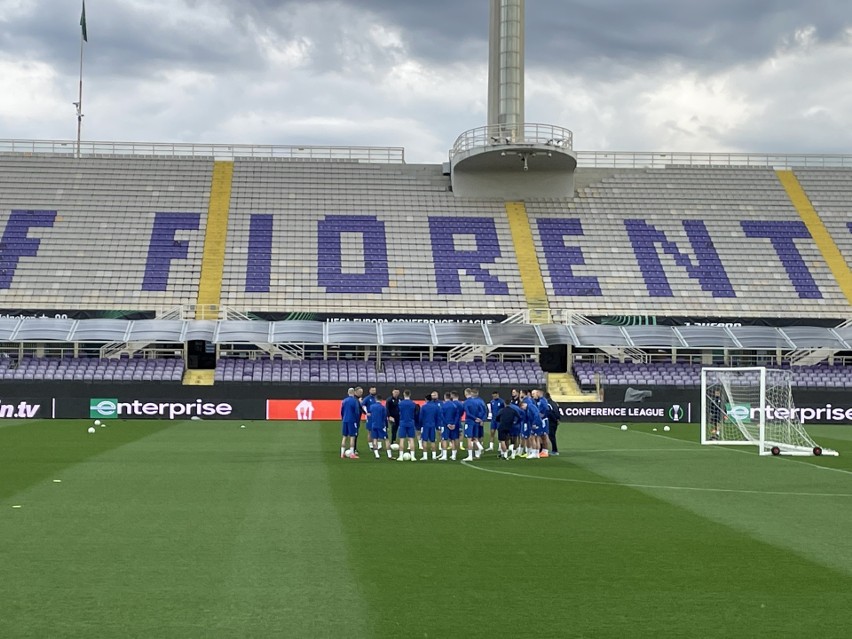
[
  {"x": 580, "y": 33},
  {"x": 686, "y": 75},
  {"x": 126, "y": 39}
]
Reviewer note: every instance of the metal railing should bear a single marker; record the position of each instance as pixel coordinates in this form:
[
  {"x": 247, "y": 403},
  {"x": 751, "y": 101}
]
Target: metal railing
[
  {"x": 545, "y": 134},
  {"x": 368, "y": 154},
  {"x": 503, "y": 134},
  {"x": 644, "y": 160}
]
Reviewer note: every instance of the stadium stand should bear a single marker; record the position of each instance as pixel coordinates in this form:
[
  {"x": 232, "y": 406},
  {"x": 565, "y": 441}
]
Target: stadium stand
[
  {"x": 339, "y": 237},
  {"x": 830, "y": 192},
  {"x": 101, "y": 232},
  {"x": 393, "y": 372},
  {"x": 92, "y": 369},
  {"x": 685, "y": 375},
  {"x": 684, "y": 240}
]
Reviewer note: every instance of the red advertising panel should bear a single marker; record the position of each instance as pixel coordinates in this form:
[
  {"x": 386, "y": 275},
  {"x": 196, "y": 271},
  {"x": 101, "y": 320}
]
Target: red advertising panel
[{"x": 303, "y": 409}]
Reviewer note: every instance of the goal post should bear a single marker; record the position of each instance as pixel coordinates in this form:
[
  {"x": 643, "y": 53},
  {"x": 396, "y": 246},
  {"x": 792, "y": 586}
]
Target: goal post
[{"x": 753, "y": 406}]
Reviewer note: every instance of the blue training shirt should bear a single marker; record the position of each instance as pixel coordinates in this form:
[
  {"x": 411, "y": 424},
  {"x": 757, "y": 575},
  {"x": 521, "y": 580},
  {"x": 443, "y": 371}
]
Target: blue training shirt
[
  {"x": 431, "y": 415},
  {"x": 350, "y": 410},
  {"x": 407, "y": 408},
  {"x": 533, "y": 414},
  {"x": 378, "y": 416},
  {"x": 496, "y": 405}
]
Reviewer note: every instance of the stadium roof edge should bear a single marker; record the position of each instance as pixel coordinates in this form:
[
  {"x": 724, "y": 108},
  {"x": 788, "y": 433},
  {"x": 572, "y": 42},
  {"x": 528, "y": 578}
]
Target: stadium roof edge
[{"x": 15, "y": 330}]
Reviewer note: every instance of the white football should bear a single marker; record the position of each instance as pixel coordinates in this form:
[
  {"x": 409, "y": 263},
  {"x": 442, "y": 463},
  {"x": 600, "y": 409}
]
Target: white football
[
  {"x": 406, "y": 456},
  {"x": 91, "y": 430},
  {"x": 394, "y": 446},
  {"x": 667, "y": 428},
  {"x": 624, "y": 427}
]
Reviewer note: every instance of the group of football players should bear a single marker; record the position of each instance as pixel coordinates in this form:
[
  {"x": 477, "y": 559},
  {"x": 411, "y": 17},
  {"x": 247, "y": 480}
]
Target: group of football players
[{"x": 525, "y": 427}]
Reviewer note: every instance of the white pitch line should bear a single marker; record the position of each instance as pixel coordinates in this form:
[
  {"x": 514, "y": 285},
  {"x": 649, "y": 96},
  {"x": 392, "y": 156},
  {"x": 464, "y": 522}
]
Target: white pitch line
[
  {"x": 656, "y": 487},
  {"x": 637, "y": 450},
  {"x": 733, "y": 449}
]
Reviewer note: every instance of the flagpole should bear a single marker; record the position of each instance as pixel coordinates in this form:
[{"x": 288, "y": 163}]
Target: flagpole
[
  {"x": 80, "y": 97},
  {"x": 84, "y": 37}
]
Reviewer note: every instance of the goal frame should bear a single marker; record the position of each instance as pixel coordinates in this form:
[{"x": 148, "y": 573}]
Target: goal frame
[
  {"x": 764, "y": 446},
  {"x": 761, "y": 443}
]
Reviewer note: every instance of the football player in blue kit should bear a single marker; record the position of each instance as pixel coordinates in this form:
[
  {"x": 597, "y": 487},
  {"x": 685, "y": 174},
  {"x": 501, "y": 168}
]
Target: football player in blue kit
[
  {"x": 495, "y": 406},
  {"x": 350, "y": 416},
  {"x": 377, "y": 422},
  {"x": 474, "y": 415},
  {"x": 450, "y": 432},
  {"x": 431, "y": 420},
  {"x": 407, "y": 411}
]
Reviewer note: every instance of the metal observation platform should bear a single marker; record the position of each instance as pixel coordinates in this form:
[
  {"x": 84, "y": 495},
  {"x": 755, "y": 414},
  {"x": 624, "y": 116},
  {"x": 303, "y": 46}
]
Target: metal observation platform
[{"x": 514, "y": 162}]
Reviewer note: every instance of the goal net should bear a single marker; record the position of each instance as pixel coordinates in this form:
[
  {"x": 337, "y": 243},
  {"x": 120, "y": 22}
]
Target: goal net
[{"x": 753, "y": 406}]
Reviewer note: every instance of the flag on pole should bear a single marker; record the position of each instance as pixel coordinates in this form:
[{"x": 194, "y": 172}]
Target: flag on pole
[{"x": 83, "y": 23}]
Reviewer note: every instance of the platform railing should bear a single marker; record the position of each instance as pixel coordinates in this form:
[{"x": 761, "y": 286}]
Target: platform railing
[{"x": 505, "y": 134}]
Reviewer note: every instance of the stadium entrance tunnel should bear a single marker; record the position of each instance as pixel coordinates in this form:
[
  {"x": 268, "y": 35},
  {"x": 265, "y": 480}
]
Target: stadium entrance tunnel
[{"x": 535, "y": 161}]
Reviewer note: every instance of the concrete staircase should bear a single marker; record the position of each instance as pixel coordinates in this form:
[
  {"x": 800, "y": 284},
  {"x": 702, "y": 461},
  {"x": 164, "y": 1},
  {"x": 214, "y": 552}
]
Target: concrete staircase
[
  {"x": 199, "y": 377},
  {"x": 564, "y": 388}
]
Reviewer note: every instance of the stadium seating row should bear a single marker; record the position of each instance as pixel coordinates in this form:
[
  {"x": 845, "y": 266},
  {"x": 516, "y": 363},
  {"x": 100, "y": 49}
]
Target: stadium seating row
[
  {"x": 689, "y": 375},
  {"x": 314, "y": 236}
]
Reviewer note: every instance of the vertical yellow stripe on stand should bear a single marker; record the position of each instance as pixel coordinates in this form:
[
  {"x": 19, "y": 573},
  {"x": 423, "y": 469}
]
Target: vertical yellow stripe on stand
[
  {"x": 213, "y": 260},
  {"x": 830, "y": 253},
  {"x": 531, "y": 279}
]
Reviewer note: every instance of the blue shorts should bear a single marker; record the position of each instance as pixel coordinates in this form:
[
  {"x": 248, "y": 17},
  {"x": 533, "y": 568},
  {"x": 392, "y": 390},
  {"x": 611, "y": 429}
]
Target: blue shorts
[
  {"x": 539, "y": 431},
  {"x": 515, "y": 431},
  {"x": 480, "y": 430},
  {"x": 450, "y": 434},
  {"x": 471, "y": 430},
  {"x": 427, "y": 433},
  {"x": 495, "y": 425},
  {"x": 379, "y": 433},
  {"x": 525, "y": 430},
  {"x": 349, "y": 429},
  {"x": 405, "y": 431}
]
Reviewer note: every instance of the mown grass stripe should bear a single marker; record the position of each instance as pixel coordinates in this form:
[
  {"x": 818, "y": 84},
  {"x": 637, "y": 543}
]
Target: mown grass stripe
[{"x": 36, "y": 450}]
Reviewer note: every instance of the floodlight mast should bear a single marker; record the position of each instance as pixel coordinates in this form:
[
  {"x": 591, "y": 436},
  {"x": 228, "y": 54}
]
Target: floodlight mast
[
  {"x": 506, "y": 68},
  {"x": 508, "y": 158}
]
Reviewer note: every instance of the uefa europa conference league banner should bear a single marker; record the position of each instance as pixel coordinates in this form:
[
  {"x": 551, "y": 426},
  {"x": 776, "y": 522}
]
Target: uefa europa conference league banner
[{"x": 813, "y": 408}]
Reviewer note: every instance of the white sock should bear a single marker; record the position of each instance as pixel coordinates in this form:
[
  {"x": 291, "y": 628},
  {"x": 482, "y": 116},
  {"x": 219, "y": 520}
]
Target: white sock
[
  {"x": 454, "y": 455},
  {"x": 342, "y": 450},
  {"x": 420, "y": 444},
  {"x": 480, "y": 446}
]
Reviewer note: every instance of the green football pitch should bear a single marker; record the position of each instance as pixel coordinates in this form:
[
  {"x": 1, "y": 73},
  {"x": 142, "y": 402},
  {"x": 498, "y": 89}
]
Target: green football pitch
[{"x": 205, "y": 529}]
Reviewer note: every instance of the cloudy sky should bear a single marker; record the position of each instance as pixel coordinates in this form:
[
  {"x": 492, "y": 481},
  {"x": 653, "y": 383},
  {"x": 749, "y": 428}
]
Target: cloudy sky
[{"x": 628, "y": 75}]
